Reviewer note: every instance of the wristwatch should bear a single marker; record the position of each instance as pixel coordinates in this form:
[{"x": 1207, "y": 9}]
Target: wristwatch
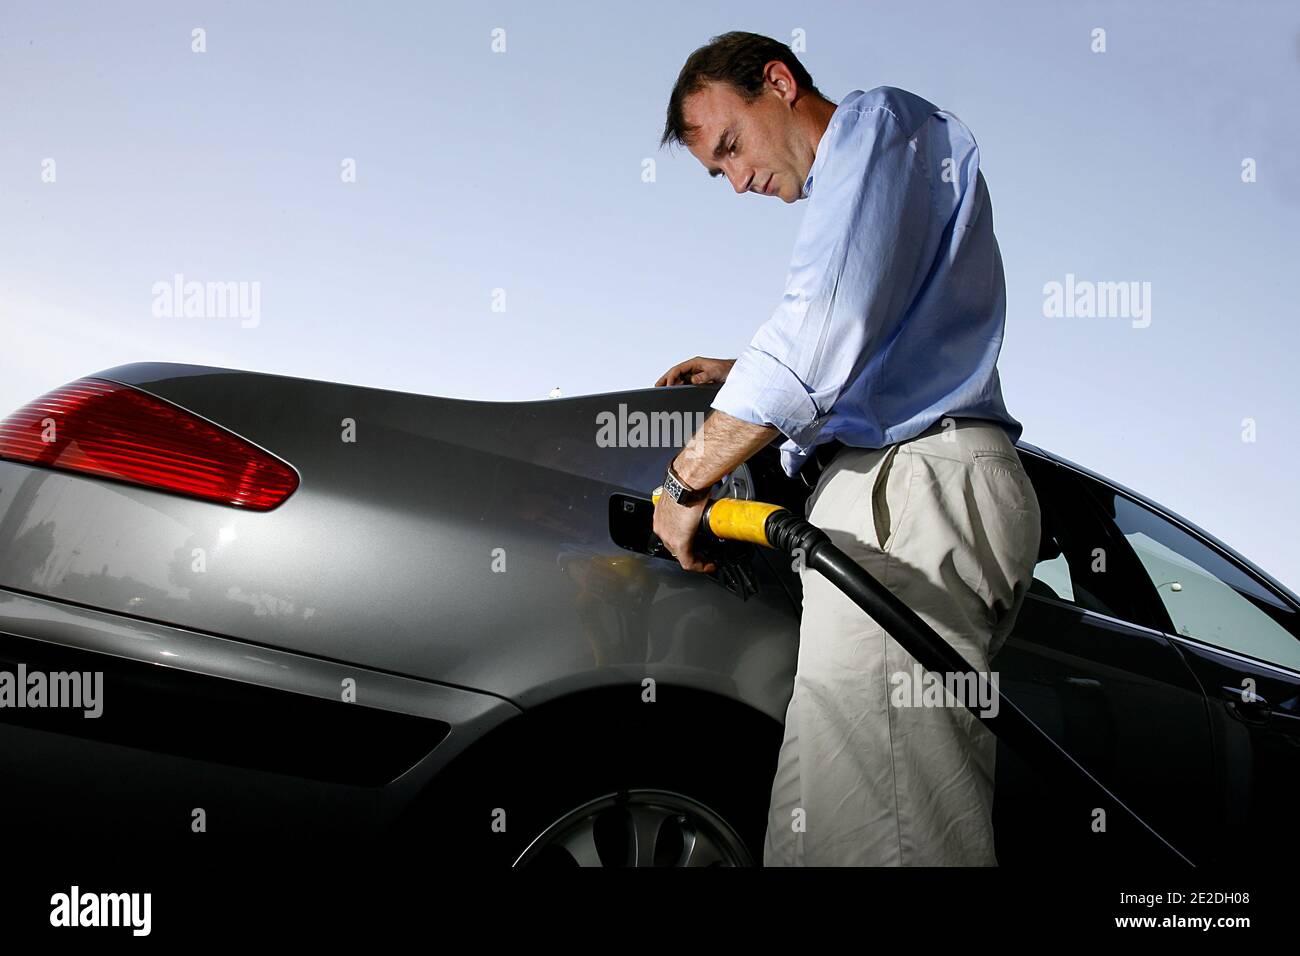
[{"x": 681, "y": 492}]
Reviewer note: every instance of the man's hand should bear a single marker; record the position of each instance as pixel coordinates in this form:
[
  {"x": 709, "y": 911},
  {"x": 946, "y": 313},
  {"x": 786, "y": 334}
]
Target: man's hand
[
  {"x": 697, "y": 371},
  {"x": 676, "y": 526},
  {"x": 721, "y": 444}
]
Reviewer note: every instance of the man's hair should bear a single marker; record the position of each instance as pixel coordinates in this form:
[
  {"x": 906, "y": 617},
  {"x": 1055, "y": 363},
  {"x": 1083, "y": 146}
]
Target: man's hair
[{"x": 736, "y": 58}]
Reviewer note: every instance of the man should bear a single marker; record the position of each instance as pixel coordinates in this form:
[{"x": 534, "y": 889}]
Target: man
[{"x": 884, "y": 347}]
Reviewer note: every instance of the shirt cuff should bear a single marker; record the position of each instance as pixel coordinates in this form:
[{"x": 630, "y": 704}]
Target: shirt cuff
[{"x": 763, "y": 391}]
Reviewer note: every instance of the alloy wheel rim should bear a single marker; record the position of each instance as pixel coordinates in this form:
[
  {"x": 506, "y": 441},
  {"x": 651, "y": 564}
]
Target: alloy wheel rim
[{"x": 638, "y": 828}]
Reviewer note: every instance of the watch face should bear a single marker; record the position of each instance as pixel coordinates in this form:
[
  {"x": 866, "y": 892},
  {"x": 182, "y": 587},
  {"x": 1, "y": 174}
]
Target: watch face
[{"x": 673, "y": 488}]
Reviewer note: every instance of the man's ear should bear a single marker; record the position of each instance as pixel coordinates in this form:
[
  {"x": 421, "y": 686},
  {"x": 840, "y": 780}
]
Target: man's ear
[{"x": 780, "y": 80}]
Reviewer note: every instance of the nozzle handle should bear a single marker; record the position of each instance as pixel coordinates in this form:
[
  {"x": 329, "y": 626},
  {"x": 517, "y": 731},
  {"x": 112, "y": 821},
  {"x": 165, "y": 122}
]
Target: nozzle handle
[{"x": 734, "y": 520}]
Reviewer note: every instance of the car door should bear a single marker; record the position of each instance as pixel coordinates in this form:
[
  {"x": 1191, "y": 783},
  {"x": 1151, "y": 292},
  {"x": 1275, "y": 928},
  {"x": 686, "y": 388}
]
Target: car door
[
  {"x": 1087, "y": 664},
  {"x": 1241, "y": 639}
]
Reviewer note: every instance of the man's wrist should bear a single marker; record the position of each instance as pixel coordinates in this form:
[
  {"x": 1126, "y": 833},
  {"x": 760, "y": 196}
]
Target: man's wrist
[
  {"x": 722, "y": 443},
  {"x": 681, "y": 491},
  {"x": 681, "y": 467}
]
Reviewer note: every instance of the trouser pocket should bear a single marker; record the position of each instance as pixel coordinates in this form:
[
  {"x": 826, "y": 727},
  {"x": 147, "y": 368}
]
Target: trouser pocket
[
  {"x": 1011, "y": 523},
  {"x": 883, "y": 516}
]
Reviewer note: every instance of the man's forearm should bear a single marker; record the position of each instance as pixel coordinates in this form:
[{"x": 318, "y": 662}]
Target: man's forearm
[{"x": 722, "y": 443}]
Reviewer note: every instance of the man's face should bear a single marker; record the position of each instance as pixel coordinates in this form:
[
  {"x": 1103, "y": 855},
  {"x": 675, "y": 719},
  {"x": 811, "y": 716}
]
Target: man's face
[{"x": 757, "y": 145}]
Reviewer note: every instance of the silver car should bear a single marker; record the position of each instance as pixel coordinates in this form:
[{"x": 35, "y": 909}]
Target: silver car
[{"x": 319, "y": 610}]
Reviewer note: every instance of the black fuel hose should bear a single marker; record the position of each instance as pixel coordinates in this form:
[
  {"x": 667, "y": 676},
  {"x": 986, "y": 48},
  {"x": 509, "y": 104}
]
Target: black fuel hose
[{"x": 775, "y": 527}]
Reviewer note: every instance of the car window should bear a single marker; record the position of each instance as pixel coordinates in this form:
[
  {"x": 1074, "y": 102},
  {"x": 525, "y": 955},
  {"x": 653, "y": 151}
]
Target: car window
[
  {"x": 1073, "y": 535},
  {"x": 1053, "y": 578},
  {"x": 1205, "y": 595}
]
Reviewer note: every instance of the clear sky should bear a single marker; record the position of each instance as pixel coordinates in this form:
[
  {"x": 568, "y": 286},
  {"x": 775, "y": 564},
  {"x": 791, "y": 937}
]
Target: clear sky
[{"x": 523, "y": 170}]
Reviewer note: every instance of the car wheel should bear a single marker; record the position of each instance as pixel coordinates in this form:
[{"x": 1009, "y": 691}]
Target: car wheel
[
  {"x": 624, "y": 789},
  {"x": 638, "y": 828}
]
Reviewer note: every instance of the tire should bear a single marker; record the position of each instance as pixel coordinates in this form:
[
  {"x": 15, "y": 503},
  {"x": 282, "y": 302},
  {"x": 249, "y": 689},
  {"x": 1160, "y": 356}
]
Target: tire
[{"x": 618, "y": 767}]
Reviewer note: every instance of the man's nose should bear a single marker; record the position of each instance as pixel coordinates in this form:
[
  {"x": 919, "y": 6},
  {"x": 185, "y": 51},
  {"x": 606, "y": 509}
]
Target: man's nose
[{"x": 740, "y": 181}]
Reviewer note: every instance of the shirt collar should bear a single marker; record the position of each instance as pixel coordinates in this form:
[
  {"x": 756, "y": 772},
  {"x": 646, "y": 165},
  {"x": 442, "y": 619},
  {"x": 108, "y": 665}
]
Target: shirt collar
[{"x": 823, "y": 144}]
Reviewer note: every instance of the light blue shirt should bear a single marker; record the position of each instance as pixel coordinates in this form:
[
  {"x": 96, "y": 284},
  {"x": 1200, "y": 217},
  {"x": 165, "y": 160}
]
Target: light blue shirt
[{"x": 895, "y": 305}]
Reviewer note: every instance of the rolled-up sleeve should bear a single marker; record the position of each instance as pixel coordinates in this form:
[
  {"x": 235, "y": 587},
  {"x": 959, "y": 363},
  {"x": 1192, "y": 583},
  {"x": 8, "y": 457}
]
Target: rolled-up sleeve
[{"x": 858, "y": 259}]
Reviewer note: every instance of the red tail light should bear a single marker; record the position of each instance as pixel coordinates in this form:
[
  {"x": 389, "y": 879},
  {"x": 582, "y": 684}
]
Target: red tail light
[{"x": 95, "y": 427}]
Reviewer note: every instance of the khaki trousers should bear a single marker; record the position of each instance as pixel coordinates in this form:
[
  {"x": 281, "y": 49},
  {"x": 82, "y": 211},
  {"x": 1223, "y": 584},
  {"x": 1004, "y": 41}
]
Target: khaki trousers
[{"x": 949, "y": 522}]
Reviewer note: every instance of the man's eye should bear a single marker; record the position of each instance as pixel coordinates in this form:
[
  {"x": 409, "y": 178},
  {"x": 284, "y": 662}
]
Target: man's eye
[{"x": 734, "y": 144}]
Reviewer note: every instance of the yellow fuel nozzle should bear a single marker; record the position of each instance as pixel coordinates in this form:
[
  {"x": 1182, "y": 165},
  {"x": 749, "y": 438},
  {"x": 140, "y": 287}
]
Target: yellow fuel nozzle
[{"x": 734, "y": 520}]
